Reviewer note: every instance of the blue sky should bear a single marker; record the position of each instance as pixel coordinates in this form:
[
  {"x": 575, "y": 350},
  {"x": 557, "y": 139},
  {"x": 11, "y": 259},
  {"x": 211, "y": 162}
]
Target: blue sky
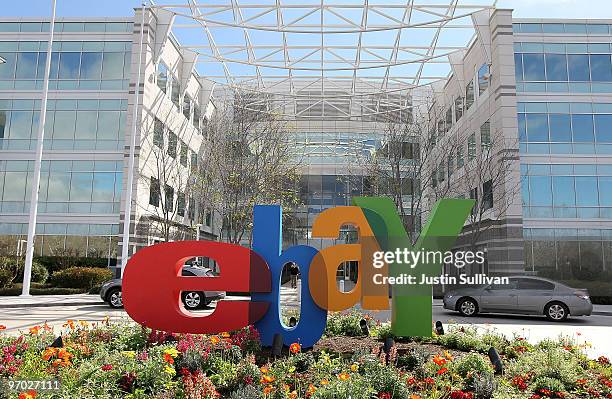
[{"x": 523, "y": 8}]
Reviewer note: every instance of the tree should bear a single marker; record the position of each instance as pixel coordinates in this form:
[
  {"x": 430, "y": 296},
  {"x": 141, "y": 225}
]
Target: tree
[
  {"x": 167, "y": 178},
  {"x": 401, "y": 165},
  {"x": 247, "y": 159}
]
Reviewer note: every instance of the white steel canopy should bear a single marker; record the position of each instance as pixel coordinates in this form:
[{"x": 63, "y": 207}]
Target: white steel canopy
[{"x": 330, "y": 53}]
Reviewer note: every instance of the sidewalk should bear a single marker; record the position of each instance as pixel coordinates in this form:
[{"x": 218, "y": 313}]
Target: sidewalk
[
  {"x": 289, "y": 298},
  {"x": 7, "y": 302}
]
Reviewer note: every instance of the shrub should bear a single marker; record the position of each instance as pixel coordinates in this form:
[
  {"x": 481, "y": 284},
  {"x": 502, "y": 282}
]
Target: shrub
[
  {"x": 80, "y": 277},
  {"x": 5, "y": 278},
  {"x": 472, "y": 363},
  {"x": 16, "y": 290},
  {"x": 413, "y": 359},
  {"x": 15, "y": 268},
  {"x": 56, "y": 263},
  {"x": 247, "y": 392},
  {"x": 483, "y": 385},
  {"x": 553, "y": 363},
  {"x": 342, "y": 323},
  {"x": 548, "y": 383}
]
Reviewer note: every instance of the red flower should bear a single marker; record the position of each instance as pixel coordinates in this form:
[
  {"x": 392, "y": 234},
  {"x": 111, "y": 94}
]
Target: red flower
[
  {"x": 384, "y": 395},
  {"x": 442, "y": 370},
  {"x": 107, "y": 367},
  {"x": 295, "y": 348}
]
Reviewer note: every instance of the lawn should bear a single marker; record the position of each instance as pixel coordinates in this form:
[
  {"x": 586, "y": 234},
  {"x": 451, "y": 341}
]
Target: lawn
[{"x": 108, "y": 360}]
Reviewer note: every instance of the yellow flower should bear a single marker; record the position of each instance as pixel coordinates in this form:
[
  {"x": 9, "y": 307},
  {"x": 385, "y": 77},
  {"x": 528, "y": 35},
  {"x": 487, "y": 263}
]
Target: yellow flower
[
  {"x": 293, "y": 395},
  {"x": 264, "y": 369},
  {"x": 225, "y": 335},
  {"x": 354, "y": 367},
  {"x": 171, "y": 351},
  {"x": 448, "y": 355},
  {"x": 169, "y": 370},
  {"x": 292, "y": 369},
  {"x": 215, "y": 340},
  {"x": 324, "y": 382},
  {"x": 34, "y": 330},
  {"x": 129, "y": 354}
]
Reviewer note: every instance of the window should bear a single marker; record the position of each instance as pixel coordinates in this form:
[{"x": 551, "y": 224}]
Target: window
[
  {"x": 187, "y": 107},
  {"x": 487, "y": 195},
  {"x": 564, "y": 192},
  {"x": 484, "y": 75},
  {"x": 158, "y": 133},
  {"x": 460, "y": 160},
  {"x": 586, "y": 191},
  {"x": 168, "y": 198},
  {"x": 540, "y": 192},
  {"x": 191, "y": 209},
  {"x": 69, "y": 64},
  {"x": 471, "y": 147},
  {"x": 162, "y": 76},
  {"x": 409, "y": 150},
  {"x": 184, "y": 154},
  {"x": 154, "y": 192},
  {"x": 450, "y": 165},
  {"x": 601, "y": 68},
  {"x": 194, "y": 161},
  {"x": 208, "y": 219},
  {"x": 532, "y": 284},
  {"x": 469, "y": 95},
  {"x": 560, "y": 128},
  {"x": 556, "y": 67},
  {"x": 603, "y": 128},
  {"x": 449, "y": 119},
  {"x": 180, "y": 204},
  {"x": 533, "y": 67},
  {"x": 172, "y": 143},
  {"x": 434, "y": 178},
  {"x": 441, "y": 172},
  {"x": 537, "y": 127},
  {"x": 518, "y": 67},
  {"x": 578, "y": 67},
  {"x": 485, "y": 136},
  {"x": 458, "y": 108},
  {"x": 582, "y": 126},
  {"x": 175, "y": 92},
  {"x": 474, "y": 196}
]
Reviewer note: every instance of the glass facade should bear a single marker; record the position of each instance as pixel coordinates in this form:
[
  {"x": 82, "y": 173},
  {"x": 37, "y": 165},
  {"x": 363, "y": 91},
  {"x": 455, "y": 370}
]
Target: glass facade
[
  {"x": 565, "y": 128},
  {"x": 563, "y": 67},
  {"x": 75, "y": 65}
]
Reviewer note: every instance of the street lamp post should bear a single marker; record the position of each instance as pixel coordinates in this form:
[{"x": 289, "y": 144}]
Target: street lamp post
[{"x": 27, "y": 268}]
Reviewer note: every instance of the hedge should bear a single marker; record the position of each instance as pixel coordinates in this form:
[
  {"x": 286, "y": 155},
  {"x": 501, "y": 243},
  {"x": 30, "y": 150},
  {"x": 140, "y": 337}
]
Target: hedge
[
  {"x": 80, "y": 277},
  {"x": 56, "y": 263},
  {"x": 10, "y": 264},
  {"x": 5, "y": 278},
  {"x": 16, "y": 290}
]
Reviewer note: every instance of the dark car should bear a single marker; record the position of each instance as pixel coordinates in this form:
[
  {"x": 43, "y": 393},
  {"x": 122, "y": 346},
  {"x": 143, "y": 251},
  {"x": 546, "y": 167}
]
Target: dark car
[{"x": 111, "y": 291}]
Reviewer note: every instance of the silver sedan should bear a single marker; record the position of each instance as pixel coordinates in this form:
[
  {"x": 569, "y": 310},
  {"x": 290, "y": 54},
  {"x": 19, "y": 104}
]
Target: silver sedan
[{"x": 523, "y": 295}]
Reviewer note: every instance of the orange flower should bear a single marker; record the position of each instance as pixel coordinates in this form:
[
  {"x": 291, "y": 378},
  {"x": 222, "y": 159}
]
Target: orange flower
[
  {"x": 295, "y": 348},
  {"x": 225, "y": 335},
  {"x": 168, "y": 358},
  {"x": 264, "y": 369},
  {"x": 57, "y": 362},
  {"x": 344, "y": 376},
  {"x": 415, "y": 397},
  {"x": 442, "y": 370},
  {"x": 64, "y": 354},
  {"x": 215, "y": 340},
  {"x": 293, "y": 395},
  {"x": 83, "y": 323},
  {"x": 28, "y": 395},
  {"x": 69, "y": 323},
  {"x": 311, "y": 389},
  {"x": 34, "y": 330},
  {"x": 324, "y": 382},
  {"x": 267, "y": 379},
  {"x": 448, "y": 355},
  {"x": 267, "y": 390},
  {"x": 48, "y": 354},
  {"x": 2, "y": 327},
  {"x": 439, "y": 360}
]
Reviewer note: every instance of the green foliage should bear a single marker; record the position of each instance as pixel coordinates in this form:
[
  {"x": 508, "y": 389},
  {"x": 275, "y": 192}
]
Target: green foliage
[
  {"x": 15, "y": 267},
  {"x": 472, "y": 363},
  {"x": 5, "y": 278},
  {"x": 80, "y": 277},
  {"x": 345, "y": 323},
  {"x": 415, "y": 358},
  {"x": 483, "y": 385},
  {"x": 549, "y": 383},
  {"x": 56, "y": 263},
  {"x": 40, "y": 290},
  {"x": 247, "y": 392},
  {"x": 383, "y": 331},
  {"x": 553, "y": 362}
]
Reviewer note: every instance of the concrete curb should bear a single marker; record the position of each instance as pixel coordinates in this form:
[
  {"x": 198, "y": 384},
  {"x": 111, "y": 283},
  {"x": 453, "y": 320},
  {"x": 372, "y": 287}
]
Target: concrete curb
[{"x": 49, "y": 305}]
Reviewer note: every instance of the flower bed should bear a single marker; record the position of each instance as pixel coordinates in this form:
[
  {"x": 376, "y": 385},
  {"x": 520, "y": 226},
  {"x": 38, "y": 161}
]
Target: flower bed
[{"x": 106, "y": 360}]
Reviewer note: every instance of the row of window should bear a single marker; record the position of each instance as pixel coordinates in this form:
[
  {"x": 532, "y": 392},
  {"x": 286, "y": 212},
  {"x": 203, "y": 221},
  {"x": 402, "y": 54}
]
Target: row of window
[
  {"x": 571, "y": 28},
  {"x": 63, "y": 46},
  {"x": 78, "y": 245},
  {"x": 65, "y": 187},
  {"x": 61, "y": 229},
  {"x": 69, "y": 70},
  {"x": 110, "y": 27},
  {"x": 175, "y": 147},
  {"x": 64, "y": 130},
  {"x": 566, "y": 169},
  {"x": 539, "y": 67},
  {"x": 565, "y": 128},
  {"x": 563, "y": 48},
  {"x": 169, "y": 84},
  {"x": 567, "y": 191},
  {"x": 168, "y": 199}
]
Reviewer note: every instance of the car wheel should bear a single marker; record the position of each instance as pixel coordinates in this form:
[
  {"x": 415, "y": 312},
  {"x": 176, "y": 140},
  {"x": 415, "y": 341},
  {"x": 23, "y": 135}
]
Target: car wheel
[
  {"x": 115, "y": 298},
  {"x": 556, "y": 311},
  {"x": 468, "y": 307},
  {"x": 193, "y": 299}
]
